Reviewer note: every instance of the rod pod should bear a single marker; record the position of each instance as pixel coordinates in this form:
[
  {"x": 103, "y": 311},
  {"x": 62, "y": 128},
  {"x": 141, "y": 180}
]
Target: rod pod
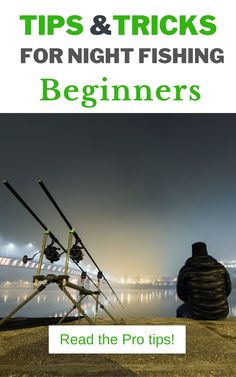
[
  {"x": 51, "y": 198},
  {"x": 52, "y": 236}
]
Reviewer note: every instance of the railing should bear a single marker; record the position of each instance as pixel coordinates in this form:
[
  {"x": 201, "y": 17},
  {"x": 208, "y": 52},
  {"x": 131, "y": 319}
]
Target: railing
[{"x": 14, "y": 262}]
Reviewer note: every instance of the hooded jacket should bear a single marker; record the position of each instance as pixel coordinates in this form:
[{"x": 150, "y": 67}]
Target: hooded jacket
[{"x": 204, "y": 284}]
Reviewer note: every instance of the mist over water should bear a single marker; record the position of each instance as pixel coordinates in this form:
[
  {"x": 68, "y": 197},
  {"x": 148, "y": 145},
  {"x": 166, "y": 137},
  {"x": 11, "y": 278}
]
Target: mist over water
[
  {"x": 136, "y": 302},
  {"x": 139, "y": 188}
]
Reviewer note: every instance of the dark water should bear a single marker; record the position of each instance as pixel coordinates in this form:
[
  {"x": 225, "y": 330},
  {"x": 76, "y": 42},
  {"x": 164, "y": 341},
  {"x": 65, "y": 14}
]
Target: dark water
[{"x": 137, "y": 303}]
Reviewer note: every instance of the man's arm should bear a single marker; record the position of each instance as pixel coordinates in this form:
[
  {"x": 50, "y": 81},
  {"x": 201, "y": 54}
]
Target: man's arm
[
  {"x": 228, "y": 285},
  {"x": 182, "y": 286}
]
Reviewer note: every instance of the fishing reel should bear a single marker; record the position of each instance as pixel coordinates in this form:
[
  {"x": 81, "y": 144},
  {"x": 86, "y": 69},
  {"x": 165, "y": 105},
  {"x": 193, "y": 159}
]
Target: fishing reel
[
  {"x": 51, "y": 253},
  {"x": 76, "y": 252},
  {"x": 26, "y": 259}
]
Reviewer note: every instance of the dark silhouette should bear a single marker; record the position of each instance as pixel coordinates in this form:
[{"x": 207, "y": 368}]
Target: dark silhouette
[{"x": 204, "y": 285}]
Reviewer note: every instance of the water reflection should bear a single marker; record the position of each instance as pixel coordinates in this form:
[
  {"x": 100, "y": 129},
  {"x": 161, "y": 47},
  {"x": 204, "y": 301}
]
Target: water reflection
[
  {"x": 137, "y": 303},
  {"x": 144, "y": 296}
]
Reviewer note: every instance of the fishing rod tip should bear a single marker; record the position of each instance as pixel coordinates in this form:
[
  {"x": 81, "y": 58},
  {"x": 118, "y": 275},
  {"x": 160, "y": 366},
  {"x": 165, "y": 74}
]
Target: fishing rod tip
[
  {"x": 4, "y": 181},
  {"x": 40, "y": 180}
]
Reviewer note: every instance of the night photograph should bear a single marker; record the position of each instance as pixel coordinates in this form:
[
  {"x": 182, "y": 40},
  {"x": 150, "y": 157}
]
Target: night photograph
[{"x": 142, "y": 193}]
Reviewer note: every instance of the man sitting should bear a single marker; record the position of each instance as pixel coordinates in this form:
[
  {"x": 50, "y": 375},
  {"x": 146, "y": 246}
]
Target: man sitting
[{"x": 204, "y": 285}]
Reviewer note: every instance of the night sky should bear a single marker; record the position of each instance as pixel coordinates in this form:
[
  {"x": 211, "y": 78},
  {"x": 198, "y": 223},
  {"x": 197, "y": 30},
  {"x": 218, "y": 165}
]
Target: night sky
[{"x": 139, "y": 188}]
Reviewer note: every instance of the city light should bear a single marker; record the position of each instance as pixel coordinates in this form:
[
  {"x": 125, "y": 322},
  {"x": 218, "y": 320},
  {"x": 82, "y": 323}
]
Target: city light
[{"x": 10, "y": 246}]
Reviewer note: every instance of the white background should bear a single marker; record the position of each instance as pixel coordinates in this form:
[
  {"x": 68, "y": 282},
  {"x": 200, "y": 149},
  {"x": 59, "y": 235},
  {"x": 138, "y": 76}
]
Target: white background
[
  {"x": 130, "y": 347},
  {"x": 21, "y": 86}
]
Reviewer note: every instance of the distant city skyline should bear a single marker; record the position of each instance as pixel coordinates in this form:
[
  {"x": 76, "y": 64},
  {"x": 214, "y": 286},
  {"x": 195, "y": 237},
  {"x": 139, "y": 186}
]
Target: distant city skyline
[
  {"x": 13, "y": 270},
  {"x": 139, "y": 188}
]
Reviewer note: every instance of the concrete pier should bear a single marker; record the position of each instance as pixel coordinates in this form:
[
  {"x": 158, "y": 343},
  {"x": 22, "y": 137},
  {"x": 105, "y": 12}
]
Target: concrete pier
[{"x": 211, "y": 352}]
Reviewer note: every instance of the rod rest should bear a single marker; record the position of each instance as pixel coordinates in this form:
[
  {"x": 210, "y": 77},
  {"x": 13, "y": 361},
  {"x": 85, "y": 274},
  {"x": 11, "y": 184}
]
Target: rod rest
[
  {"x": 82, "y": 290},
  {"x": 50, "y": 278}
]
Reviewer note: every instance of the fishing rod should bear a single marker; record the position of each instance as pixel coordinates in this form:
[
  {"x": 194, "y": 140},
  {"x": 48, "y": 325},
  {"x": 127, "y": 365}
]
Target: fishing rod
[
  {"x": 52, "y": 255},
  {"x": 78, "y": 239}
]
